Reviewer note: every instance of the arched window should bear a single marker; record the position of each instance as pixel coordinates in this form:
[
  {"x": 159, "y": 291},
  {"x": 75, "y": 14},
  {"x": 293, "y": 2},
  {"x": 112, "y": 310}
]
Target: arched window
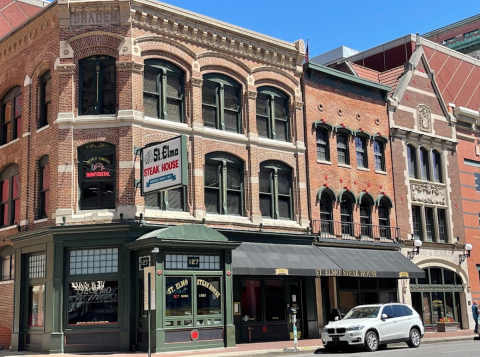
[
  {"x": 223, "y": 184},
  {"x": 7, "y": 263},
  {"x": 366, "y": 216},
  {"x": 342, "y": 149},
  {"x": 361, "y": 151},
  {"x": 97, "y": 88},
  {"x": 10, "y": 196},
  {"x": 221, "y": 103},
  {"x": 412, "y": 161},
  {"x": 424, "y": 164},
  {"x": 43, "y": 186},
  {"x": 437, "y": 166},
  {"x": 11, "y": 115},
  {"x": 326, "y": 211},
  {"x": 45, "y": 98},
  {"x": 346, "y": 209},
  {"x": 384, "y": 218},
  {"x": 272, "y": 114},
  {"x": 323, "y": 150},
  {"x": 276, "y": 196},
  {"x": 163, "y": 90},
  {"x": 379, "y": 153},
  {"x": 97, "y": 173}
]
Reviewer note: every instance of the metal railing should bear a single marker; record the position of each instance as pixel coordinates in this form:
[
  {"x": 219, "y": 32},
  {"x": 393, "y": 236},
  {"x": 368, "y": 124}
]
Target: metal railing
[{"x": 355, "y": 231}]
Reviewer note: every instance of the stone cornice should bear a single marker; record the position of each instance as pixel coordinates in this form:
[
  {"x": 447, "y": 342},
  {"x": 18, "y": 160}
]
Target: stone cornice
[
  {"x": 65, "y": 68},
  {"x": 130, "y": 66},
  {"x": 176, "y": 22},
  {"x": 422, "y": 137}
]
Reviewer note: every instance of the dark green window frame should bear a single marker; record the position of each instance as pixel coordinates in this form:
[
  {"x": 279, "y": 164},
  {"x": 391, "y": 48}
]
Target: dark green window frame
[
  {"x": 270, "y": 192},
  {"x": 273, "y": 114},
  {"x": 45, "y": 98},
  {"x": 361, "y": 149},
  {"x": 160, "y": 200},
  {"x": 379, "y": 155},
  {"x": 221, "y": 103},
  {"x": 10, "y": 187},
  {"x": 43, "y": 186},
  {"x": 225, "y": 187},
  {"x": 94, "y": 90},
  {"x": 11, "y": 115},
  {"x": 164, "y": 90}
]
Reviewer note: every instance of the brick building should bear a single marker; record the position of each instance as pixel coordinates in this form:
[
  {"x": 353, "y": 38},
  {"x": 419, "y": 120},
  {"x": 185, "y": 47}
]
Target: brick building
[{"x": 428, "y": 184}]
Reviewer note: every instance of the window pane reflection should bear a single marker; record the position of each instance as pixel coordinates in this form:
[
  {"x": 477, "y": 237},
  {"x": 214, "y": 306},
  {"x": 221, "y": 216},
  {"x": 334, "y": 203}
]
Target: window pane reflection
[{"x": 251, "y": 300}]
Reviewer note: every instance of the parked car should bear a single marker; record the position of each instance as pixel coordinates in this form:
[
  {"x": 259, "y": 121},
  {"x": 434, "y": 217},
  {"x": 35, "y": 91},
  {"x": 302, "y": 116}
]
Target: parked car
[{"x": 374, "y": 326}]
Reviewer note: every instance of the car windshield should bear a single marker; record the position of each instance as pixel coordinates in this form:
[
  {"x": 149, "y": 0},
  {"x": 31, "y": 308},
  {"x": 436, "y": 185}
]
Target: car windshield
[{"x": 362, "y": 312}]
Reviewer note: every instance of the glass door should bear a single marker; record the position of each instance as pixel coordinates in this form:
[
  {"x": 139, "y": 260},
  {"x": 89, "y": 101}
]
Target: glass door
[{"x": 294, "y": 301}]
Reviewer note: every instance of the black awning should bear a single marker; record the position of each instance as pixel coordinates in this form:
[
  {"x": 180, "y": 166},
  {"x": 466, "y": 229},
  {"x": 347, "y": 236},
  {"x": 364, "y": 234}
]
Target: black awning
[
  {"x": 371, "y": 263},
  {"x": 279, "y": 259}
]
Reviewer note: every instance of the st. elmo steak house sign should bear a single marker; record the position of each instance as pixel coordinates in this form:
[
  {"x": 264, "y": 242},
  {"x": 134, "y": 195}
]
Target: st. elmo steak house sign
[{"x": 164, "y": 165}]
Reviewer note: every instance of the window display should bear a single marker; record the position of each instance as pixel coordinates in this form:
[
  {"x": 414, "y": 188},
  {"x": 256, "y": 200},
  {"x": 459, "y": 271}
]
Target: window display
[
  {"x": 35, "y": 305},
  {"x": 178, "y": 297},
  {"x": 93, "y": 302},
  {"x": 208, "y": 296},
  {"x": 251, "y": 300}
]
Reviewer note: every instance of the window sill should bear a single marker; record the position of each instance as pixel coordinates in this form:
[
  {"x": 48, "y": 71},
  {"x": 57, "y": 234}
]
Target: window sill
[
  {"x": 8, "y": 227},
  {"x": 345, "y": 166},
  {"x": 10, "y": 143},
  {"x": 363, "y": 169},
  {"x": 45, "y": 127},
  {"x": 158, "y": 213},
  {"x": 268, "y": 222},
  {"x": 212, "y": 217},
  {"x": 380, "y": 172},
  {"x": 6, "y": 282},
  {"x": 41, "y": 220},
  {"x": 324, "y": 162}
]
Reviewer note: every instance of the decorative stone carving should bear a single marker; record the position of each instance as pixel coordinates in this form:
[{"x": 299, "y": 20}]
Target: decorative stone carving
[
  {"x": 197, "y": 82},
  {"x": 428, "y": 193},
  {"x": 130, "y": 66},
  {"x": 298, "y": 105},
  {"x": 424, "y": 116},
  {"x": 66, "y": 68},
  {"x": 252, "y": 94}
]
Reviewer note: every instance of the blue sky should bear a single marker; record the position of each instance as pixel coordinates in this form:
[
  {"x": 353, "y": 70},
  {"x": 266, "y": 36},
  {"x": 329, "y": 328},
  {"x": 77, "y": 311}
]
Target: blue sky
[{"x": 330, "y": 24}]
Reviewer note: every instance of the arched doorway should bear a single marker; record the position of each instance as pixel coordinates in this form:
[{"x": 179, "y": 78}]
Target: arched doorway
[{"x": 437, "y": 295}]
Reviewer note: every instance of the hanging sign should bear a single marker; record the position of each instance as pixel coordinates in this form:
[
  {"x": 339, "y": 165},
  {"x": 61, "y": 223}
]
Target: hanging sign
[{"x": 164, "y": 165}]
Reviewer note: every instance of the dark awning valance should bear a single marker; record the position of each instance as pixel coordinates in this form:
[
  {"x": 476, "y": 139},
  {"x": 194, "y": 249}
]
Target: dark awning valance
[
  {"x": 279, "y": 259},
  {"x": 371, "y": 263}
]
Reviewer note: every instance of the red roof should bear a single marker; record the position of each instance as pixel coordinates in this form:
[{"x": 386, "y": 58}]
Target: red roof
[
  {"x": 389, "y": 78},
  {"x": 14, "y": 12},
  {"x": 366, "y": 73}
]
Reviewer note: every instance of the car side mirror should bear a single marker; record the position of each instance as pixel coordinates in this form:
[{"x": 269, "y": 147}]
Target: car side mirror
[
  {"x": 336, "y": 318},
  {"x": 384, "y": 316}
]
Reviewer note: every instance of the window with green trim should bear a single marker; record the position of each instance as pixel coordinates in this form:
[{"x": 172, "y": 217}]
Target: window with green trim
[
  {"x": 168, "y": 200},
  {"x": 361, "y": 152},
  {"x": 97, "y": 88},
  {"x": 379, "y": 154},
  {"x": 272, "y": 114},
  {"x": 223, "y": 184},
  {"x": 163, "y": 90},
  {"x": 7, "y": 263},
  {"x": 323, "y": 150},
  {"x": 221, "y": 104},
  {"x": 9, "y": 196},
  {"x": 11, "y": 115},
  {"x": 43, "y": 186},
  {"x": 276, "y": 196},
  {"x": 412, "y": 161},
  {"x": 342, "y": 149}
]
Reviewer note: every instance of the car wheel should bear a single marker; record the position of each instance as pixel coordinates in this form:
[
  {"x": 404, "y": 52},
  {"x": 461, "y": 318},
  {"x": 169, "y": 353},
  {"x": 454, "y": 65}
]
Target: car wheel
[
  {"x": 331, "y": 349},
  {"x": 414, "y": 340},
  {"x": 371, "y": 341}
]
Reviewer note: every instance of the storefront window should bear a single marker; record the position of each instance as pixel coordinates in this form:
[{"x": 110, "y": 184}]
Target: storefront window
[
  {"x": 94, "y": 302},
  {"x": 208, "y": 296},
  {"x": 427, "y": 317},
  {"x": 436, "y": 275},
  {"x": 437, "y": 304},
  {"x": 388, "y": 296},
  {"x": 35, "y": 305},
  {"x": 178, "y": 296},
  {"x": 251, "y": 300},
  {"x": 275, "y": 300},
  {"x": 449, "y": 305}
]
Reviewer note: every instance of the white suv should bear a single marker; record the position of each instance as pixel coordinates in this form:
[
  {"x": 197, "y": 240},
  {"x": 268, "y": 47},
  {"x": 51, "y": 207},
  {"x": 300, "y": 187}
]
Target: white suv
[{"x": 373, "y": 326}]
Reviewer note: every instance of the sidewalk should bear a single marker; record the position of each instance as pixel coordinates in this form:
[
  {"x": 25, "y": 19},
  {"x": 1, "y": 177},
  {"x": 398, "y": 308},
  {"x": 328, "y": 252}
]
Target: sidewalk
[{"x": 259, "y": 349}]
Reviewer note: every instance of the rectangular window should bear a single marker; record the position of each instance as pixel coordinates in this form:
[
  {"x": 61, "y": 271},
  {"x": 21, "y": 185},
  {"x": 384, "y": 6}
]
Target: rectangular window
[
  {"x": 360, "y": 149},
  {"x": 342, "y": 149},
  {"x": 178, "y": 296},
  {"x": 378, "y": 150},
  {"x": 442, "y": 225},
  {"x": 35, "y": 305},
  {"x": 251, "y": 300},
  {"x": 45, "y": 99},
  {"x": 266, "y": 194},
  {"x": 477, "y": 181},
  {"x": 7, "y": 267},
  {"x": 429, "y": 227},
  {"x": 263, "y": 116},
  {"x": 92, "y": 302},
  {"x": 322, "y": 145},
  {"x": 275, "y": 300},
  {"x": 36, "y": 266},
  {"x": 417, "y": 218},
  {"x": 169, "y": 200},
  {"x": 4, "y": 206},
  {"x": 94, "y": 261},
  {"x": 44, "y": 198},
  {"x": 209, "y": 301},
  {"x": 181, "y": 262}
]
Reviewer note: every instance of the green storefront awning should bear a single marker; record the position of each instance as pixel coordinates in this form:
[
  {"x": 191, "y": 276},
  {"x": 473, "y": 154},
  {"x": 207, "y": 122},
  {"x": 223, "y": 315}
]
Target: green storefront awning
[
  {"x": 279, "y": 259},
  {"x": 370, "y": 263}
]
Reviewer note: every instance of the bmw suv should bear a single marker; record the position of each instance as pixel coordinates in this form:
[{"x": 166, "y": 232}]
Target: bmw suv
[{"x": 374, "y": 326}]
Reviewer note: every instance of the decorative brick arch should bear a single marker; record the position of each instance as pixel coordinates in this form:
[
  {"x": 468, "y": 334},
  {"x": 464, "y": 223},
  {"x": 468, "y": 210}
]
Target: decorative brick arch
[
  {"x": 162, "y": 44},
  {"x": 242, "y": 153},
  {"x": 284, "y": 159},
  {"x": 268, "y": 76},
  {"x": 216, "y": 62},
  {"x": 11, "y": 79},
  {"x": 43, "y": 62},
  {"x": 178, "y": 61},
  {"x": 97, "y": 137},
  {"x": 95, "y": 43}
]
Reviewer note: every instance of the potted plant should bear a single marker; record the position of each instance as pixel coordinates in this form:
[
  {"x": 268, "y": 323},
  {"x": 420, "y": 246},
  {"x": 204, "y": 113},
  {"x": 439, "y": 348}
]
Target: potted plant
[{"x": 446, "y": 324}]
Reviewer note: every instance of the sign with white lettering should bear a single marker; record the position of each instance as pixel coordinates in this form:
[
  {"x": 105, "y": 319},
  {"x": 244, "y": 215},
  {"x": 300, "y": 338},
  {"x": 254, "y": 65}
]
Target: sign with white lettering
[
  {"x": 95, "y": 18},
  {"x": 164, "y": 165},
  {"x": 151, "y": 271}
]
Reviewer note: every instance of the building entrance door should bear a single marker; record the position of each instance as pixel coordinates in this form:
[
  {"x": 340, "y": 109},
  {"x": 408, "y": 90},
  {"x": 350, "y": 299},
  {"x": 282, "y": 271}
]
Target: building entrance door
[{"x": 294, "y": 301}]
